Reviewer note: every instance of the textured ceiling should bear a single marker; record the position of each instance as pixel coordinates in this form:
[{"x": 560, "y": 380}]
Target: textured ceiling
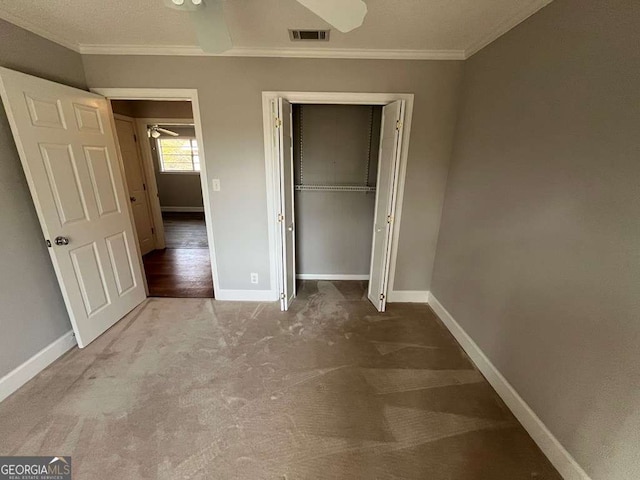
[{"x": 416, "y": 25}]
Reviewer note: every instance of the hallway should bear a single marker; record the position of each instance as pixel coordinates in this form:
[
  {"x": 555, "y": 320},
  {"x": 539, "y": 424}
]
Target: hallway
[{"x": 183, "y": 268}]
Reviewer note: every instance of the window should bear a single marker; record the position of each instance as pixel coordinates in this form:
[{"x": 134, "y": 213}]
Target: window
[{"x": 178, "y": 154}]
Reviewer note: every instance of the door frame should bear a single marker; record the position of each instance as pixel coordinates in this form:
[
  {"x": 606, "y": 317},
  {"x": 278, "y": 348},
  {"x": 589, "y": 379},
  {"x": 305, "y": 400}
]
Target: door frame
[
  {"x": 176, "y": 94},
  {"x": 273, "y": 171}
]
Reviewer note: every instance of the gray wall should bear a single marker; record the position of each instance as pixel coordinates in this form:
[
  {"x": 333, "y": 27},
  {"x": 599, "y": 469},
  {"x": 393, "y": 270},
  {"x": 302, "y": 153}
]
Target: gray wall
[
  {"x": 539, "y": 251},
  {"x": 230, "y": 91},
  {"x": 335, "y": 145},
  {"x": 32, "y": 312},
  {"x": 177, "y": 189}
]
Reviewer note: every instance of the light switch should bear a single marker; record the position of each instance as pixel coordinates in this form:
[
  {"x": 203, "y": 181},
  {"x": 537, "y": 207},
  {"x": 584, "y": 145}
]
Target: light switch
[{"x": 215, "y": 184}]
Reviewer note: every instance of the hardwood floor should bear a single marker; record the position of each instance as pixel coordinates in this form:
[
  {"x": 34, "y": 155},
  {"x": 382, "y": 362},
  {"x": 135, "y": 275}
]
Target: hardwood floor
[
  {"x": 184, "y": 230},
  {"x": 183, "y": 269}
]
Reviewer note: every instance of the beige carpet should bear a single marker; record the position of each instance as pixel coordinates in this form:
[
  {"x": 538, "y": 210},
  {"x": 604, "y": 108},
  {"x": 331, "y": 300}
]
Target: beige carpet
[{"x": 198, "y": 389}]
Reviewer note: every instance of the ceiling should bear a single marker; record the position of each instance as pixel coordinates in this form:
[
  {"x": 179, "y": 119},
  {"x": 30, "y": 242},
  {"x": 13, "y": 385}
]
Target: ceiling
[{"x": 392, "y": 29}]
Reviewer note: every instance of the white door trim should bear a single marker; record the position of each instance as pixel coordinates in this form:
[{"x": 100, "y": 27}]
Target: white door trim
[
  {"x": 344, "y": 98},
  {"x": 192, "y": 96}
]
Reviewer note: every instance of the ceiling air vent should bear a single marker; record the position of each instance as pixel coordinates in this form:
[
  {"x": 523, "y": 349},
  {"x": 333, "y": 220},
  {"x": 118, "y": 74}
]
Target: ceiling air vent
[{"x": 317, "y": 35}]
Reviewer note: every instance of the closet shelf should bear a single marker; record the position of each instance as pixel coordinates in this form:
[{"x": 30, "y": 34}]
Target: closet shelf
[{"x": 334, "y": 188}]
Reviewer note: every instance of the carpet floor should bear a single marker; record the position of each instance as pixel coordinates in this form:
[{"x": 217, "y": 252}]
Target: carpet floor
[{"x": 199, "y": 389}]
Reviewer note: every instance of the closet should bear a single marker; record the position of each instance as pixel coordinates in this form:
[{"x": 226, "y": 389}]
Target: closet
[
  {"x": 335, "y": 160},
  {"x": 334, "y": 173}
]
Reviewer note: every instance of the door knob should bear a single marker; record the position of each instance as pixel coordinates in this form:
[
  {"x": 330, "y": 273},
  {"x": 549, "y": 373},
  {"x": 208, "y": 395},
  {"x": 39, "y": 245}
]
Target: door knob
[
  {"x": 61, "y": 241},
  {"x": 133, "y": 199}
]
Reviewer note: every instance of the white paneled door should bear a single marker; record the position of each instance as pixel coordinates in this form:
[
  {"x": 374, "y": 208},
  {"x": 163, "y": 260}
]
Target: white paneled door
[
  {"x": 287, "y": 214},
  {"x": 386, "y": 191},
  {"x": 136, "y": 182},
  {"x": 67, "y": 148}
]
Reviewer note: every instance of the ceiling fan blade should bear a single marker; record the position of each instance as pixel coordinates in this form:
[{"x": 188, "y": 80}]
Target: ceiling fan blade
[
  {"x": 345, "y": 15},
  {"x": 211, "y": 27},
  {"x": 166, "y": 132}
]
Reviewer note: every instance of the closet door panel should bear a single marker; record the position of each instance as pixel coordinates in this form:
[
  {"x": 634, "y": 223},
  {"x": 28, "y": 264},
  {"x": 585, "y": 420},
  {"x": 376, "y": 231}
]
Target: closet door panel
[
  {"x": 387, "y": 183},
  {"x": 287, "y": 215}
]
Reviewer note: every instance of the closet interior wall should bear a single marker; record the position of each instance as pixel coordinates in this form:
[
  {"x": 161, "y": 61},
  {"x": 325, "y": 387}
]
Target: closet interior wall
[{"x": 335, "y": 165}]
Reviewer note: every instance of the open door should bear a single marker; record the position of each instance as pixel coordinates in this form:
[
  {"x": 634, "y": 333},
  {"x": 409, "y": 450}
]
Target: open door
[
  {"x": 286, "y": 216},
  {"x": 68, "y": 152},
  {"x": 386, "y": 187},
  {"x": 135, "y": 178}
]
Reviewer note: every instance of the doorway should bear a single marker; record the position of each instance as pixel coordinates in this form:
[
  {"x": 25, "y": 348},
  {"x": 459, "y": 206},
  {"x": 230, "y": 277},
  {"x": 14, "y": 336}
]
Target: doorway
[
  {"x": 161, "y": 158},
  {"x": 335, "y": 175},
  {"x": 68, "y": 147}
]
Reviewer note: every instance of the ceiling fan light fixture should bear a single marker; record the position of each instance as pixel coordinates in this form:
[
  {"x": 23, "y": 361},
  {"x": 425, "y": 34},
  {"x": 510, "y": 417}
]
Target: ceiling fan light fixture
[
  {"x": 178, "y": 2},
  {"x": 196, "y": 2}
]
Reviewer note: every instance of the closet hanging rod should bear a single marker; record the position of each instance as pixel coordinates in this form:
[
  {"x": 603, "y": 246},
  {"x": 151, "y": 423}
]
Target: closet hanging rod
[{"x": 334, "y": 188}]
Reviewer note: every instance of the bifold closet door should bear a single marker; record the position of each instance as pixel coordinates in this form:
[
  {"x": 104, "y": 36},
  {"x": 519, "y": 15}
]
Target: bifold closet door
[
  {"x": 387, "y": 184},
  {"x": 68, "y": 152},
  {"x": 287, "y": 213}
]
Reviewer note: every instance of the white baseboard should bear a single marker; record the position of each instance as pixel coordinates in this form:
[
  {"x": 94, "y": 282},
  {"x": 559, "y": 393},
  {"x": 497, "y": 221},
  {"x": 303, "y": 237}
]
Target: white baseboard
[
  {"x": 331, "y": 276},
  {"x": 246, "y": 295},
  {"x": 13, "y": 380},
  {"x": 548, "y": 443},
  {"x": 408, "y": 296},
  {"x": 182, "y": 209}
]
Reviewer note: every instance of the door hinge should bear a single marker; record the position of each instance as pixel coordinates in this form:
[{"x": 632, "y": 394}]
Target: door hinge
[
  {"x": 282, "y": 297},
  {"x": 135, "y": 137},
  {"x": 278, "y": 122},
  {"x": 280, "y": 217},
  {"x": 144, "y": 186},
  {"x": 153, "y": 230},
  {"x": 389, "y": 219},
  {"x": 48, "y": 243},
  {"x": 398, "y": 125},
  {"x": 382, "y": 296}
]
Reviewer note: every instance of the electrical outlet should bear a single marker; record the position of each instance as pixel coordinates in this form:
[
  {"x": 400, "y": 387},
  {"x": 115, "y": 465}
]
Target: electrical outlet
[
  {"x": 215, "y": 184},
  {"x": 254, "y": 278}
]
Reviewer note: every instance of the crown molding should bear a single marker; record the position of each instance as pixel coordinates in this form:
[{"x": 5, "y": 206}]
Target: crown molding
[
  {"x": 506, "y": 25},
  {"x": 41, "y": 32},
  {"x": 182, "y": 50}
]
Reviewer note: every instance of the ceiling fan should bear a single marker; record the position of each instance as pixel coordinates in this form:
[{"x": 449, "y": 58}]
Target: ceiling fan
[
  {"x": 213, "y": 35},
  {"x": 156, "y": 131}
]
